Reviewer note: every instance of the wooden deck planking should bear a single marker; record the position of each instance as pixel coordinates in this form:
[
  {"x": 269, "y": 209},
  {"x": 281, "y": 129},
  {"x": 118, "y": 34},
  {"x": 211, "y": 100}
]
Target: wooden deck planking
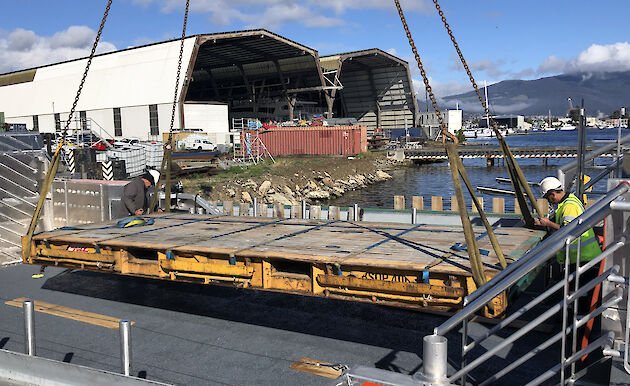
[{"x": 401, "y": 245}]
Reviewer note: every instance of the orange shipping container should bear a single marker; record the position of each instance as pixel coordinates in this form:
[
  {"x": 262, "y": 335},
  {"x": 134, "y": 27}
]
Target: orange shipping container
[{"x": 314, "y": 140}]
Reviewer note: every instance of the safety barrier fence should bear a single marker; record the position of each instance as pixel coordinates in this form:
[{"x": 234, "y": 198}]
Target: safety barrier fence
[{"x": 435, "y": 346}]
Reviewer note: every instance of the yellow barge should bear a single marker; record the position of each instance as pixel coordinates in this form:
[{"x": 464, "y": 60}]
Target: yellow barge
[{"x": 404, "y": 265}]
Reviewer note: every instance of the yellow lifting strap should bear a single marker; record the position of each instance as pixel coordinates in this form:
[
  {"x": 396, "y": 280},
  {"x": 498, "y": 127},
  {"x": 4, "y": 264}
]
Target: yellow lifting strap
[
  {"x": 458, "y": 173},
  {"x": 519, "y": 182},
  {"x": 165, "y": 168},
  {"x": 54, "y": 163}
]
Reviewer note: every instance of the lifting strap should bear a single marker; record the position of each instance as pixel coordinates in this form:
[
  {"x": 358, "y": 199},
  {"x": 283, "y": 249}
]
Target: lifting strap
[
  {"x": 168, "y": 146},
  {"x": 458, "y": 173},
  {"x": 54, "y": 163},
  {"x": 516, "y": 174}
]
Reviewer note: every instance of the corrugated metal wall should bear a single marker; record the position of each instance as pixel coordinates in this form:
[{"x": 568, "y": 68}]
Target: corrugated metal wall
[
  {"x": 316, "y": 140},
  {"x": 393, "y": 95}
]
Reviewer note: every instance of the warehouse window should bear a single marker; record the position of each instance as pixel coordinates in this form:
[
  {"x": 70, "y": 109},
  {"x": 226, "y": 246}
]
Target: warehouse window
[
  {"x": 57, "y": 122},
  {"x": 117, "y": 123},
  {"x": 35, "y": 123},
  {"x": 83, "y": 119},
  {"x": 153, "y": 120}
]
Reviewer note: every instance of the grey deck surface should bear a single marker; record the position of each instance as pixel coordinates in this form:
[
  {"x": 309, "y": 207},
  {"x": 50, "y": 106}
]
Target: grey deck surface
[{"x": 205, "y": 335}]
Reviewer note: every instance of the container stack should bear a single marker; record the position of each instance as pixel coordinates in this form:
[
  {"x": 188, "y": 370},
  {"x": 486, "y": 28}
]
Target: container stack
[
  {"x": 134, "y": 157},
  {"x": 154, "y": 152}
]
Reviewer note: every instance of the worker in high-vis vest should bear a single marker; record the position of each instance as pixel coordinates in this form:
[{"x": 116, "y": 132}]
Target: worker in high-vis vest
[{"x": 568, "y": 208}]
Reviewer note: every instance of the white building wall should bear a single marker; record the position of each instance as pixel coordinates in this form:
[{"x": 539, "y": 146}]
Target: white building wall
[
  {"x": 210, "y": 117},
  {"x": 133, "y": 78},
  {"x": 135, "y": 122}
]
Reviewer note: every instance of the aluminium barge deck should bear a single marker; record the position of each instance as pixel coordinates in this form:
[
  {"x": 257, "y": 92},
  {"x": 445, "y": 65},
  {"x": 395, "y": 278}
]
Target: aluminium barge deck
[{"x": 402, "y": 265}]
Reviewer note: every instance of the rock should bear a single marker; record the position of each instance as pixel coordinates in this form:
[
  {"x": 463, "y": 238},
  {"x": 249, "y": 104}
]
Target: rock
[
  {"x": 318, "y": 195},
  {"x": 251, "y": 184},
  {"x": 282, "y": 199},
  {"x": 230, "y": 192},
  {"x": 326, "y": 174},
  {"x": 271, "y": 191},
  {"x": 311, "y": 185},
  {"x": 246, "y": 197},
  {"x": 288, "y": 191},
  {"x": 318, "y": 178},
  {"x": 381, "y": 174},
  {"x": 328, "y": 182},
  {"x": 264, "y": 187}
]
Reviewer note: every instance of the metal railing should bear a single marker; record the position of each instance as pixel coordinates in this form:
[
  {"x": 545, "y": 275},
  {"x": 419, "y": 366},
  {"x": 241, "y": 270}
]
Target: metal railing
[
  {"x": 567, "y": 172},
  {"x": 572, "y": 290}
]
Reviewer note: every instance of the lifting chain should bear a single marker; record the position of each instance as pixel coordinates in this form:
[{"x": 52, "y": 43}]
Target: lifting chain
[
  {"x": 517, "y": 177},
  {"x": 54, "y": 163},
  {"x": 458, "y": 172},
  {"x": 168, "y": 146}
]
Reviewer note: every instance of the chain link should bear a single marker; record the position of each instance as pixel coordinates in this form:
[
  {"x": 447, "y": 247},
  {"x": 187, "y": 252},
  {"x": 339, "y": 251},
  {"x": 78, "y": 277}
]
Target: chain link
[
  {"x": 427, "y": 86},
  {"x": 470, "y": 76},
  {"x": 85, "y": 72},
  {"x": 179, "y": 69}
]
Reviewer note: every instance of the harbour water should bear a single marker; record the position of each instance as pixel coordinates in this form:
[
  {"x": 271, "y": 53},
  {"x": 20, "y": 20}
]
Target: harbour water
[{"x": 435, "y": 179}]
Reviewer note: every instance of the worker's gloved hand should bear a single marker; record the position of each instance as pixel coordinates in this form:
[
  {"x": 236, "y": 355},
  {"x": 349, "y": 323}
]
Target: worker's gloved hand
[
  {"x": 543, "y": 221},
  {"x": 139, "y": 212}
]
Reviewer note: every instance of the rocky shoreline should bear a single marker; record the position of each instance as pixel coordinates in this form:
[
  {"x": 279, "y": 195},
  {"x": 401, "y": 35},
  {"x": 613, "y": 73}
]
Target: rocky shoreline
[
  {"x": 320, "y": 187},
  {"x": 290, "y": 181}
]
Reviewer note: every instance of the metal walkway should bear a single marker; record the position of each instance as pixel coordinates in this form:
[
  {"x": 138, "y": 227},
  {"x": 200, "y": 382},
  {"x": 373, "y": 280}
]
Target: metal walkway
[{"x": 492, "y": 152}]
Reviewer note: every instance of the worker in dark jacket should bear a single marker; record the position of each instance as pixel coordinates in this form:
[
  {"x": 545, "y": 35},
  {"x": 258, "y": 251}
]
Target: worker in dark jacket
[{"x": 136, "y": 199}]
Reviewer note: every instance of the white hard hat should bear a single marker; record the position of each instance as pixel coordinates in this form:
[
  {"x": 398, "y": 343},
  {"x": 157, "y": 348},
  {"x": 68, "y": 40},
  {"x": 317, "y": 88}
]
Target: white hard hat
[
  {"x": 548, "y": 184},
  {"x": 156, "y": 176}
]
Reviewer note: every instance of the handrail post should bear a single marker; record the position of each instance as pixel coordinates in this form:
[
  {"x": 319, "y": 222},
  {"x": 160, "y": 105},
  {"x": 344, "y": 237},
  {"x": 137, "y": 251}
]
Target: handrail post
[
  {"x": 125, "y": 346},
  {"x": 434, "y": 358},
  {"x": 255, "y": 207},
  {"x": 304, "y": 209},
  {"x": 29, "y": 327},
  {"x": 414, "y": 215}
]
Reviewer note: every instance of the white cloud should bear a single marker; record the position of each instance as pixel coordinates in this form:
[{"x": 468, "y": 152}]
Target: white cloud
[
  {"x": 275, "y": 13},
  {"x": 552, "y": 65},
  {"x": 392, "y": 51},
  {"x": 597, "y": 58},
  {"x": 22, "y": 48}
]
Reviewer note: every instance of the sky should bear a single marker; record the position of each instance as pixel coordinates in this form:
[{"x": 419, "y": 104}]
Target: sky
[{"x": 500, "y": 39}]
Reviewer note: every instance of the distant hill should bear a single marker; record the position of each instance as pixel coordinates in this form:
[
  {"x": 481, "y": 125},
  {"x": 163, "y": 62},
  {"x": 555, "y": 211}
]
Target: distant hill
[{"x": 602, "y": 93}]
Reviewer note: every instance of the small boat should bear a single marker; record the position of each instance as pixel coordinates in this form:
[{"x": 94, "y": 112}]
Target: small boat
[{"x": 567, "y": 127}]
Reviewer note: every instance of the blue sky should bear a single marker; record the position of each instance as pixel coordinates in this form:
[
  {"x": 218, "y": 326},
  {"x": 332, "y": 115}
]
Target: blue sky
[{"x": 500, "y": 39}]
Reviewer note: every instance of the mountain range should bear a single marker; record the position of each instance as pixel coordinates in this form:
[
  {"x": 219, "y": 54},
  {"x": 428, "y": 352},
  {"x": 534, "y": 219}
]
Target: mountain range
[{"x": 603, "y": 93}]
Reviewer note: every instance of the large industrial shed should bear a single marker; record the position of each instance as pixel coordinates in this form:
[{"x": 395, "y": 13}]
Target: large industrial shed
[
  {"x": 376, "y": 89},
  {"x": 243, "y": 74}
]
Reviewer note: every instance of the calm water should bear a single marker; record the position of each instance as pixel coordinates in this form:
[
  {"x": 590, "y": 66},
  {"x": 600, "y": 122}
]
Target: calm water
[{"x": 435, "y": 179}]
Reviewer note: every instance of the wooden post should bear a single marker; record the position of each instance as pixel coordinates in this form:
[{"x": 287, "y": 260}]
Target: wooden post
[
  {"x": 296, "y": 211},
  {"x": 474, "y": 208},
  {"x": 517, "y": 209},
  {"x": 334, "y": 213},
  {"x": 454, "y": 206},
  {"x": 228, "y": 208},
  {"x": 278, "y": 210},
  {"x": 436, "y": 203},
  {"x": 262, "y": 210},
  {"x": 243, "y": 209},
  {"x": 498, "y": 205},
  {"x": 417, "y": 202},
  {"x": 399, "y": 202},
  {"x": 315, "y": 212}
]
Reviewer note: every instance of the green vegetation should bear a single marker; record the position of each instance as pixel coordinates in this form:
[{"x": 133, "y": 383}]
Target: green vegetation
[{"x": 460, "y": 136}]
